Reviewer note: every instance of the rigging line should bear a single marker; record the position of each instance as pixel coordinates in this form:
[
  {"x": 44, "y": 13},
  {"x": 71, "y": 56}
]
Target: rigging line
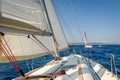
[
  {"x": 49, "y": 22},
  {"x": 52, "y": 32},
  {"x": 23, "y": 53},
  {"x": 10, "y": 56},
  {"x": 39, "y": 44},
  {"x": 76, "y": 19},
  {"x": 0, "y": 51},
  {"x": 67, "y": 27},
  {"x": 5, "y": 49},
  {"x": 59, "y": 20},
  {"x": 11, "y": 61},
  {"x": 9, "y": 49},
  {"x": 7, "y": 55}
]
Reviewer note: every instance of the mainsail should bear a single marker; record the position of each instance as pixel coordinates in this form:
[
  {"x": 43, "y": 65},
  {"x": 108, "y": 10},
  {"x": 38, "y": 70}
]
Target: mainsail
[
  {"x": 25, "y": 27},
  {"x": 87, "y": 45}
]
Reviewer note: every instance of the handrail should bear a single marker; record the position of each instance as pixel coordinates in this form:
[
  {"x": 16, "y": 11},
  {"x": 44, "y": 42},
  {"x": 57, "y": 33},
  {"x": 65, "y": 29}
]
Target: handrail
[
  {"x": 113, "y": 65},
  {"x": 94, "y": 74}
]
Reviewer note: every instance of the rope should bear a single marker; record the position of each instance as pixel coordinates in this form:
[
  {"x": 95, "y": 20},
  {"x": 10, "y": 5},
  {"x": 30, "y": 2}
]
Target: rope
[
  {"x": 10, "y": 56},
  {"x": 76, "y": 20},
  {"x": 67, "y": 27},
  {"x": 39, "y": 45},
  {"x": 9, "y": 49},
  {"x": 7, "y": 54},
  {"x": 11, "y": 59}
]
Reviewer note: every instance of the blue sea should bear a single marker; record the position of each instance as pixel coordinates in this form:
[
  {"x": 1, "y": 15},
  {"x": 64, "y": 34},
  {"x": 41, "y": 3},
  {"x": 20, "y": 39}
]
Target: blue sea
[{"x": 99, "y": 54}]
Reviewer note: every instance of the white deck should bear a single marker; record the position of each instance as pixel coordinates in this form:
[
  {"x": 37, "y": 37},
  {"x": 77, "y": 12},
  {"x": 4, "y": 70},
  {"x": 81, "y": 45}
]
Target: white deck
[
  {"x": 70, "y": 65},
  {"x": 46, "y": 69}
]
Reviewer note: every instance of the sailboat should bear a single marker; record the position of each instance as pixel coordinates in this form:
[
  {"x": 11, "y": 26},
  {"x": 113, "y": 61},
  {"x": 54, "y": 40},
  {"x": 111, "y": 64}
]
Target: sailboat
[
  {"x": 100, "y": 45},
  {"x": 87, "y": 45},
  {"x": 29, "y": 29}
]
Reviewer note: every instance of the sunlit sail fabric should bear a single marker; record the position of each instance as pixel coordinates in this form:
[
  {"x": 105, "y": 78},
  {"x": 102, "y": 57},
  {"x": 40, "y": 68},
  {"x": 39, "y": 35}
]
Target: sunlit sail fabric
[
  {"x": 27, "y": 12},
  {"x": 57, "y": 30},
  {"x": 24, "y": 47},
  {"x": 32, "y": 14}
]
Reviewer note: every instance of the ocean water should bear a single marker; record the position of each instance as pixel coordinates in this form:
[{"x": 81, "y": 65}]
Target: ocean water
[{"x": 99, "y": 54}]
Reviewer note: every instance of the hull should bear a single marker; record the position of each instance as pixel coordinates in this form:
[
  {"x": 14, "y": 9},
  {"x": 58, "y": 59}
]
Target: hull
[
  {"x": 73, "y": 67},
  {"x": 88, "y": 46}
]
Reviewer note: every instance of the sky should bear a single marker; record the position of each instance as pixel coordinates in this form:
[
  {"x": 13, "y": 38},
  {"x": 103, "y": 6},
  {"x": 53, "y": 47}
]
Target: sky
[{"x": 100, "y": 19}]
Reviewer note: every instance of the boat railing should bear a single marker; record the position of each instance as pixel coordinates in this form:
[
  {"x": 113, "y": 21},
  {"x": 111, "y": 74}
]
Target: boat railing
[
  {"x": 113, "y": 66},
  {"x": 94, "y": 74}
]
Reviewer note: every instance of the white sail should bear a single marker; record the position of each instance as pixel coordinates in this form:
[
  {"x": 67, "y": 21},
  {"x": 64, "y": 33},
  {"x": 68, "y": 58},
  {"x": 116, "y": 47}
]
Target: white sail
[
  {"x": 87, "y": 45},
  {"x": 57, "y": 30},
  {"x": 32, "y": 14},
  {"x": 23, "y": 13}
]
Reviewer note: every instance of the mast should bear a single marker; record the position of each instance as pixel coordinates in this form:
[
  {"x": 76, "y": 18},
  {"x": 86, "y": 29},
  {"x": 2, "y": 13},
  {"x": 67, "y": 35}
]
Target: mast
[
  {"x": 55, "y": 44},
  {"x": 85, "y": 38},
  {"x": 87, "y": 45}
]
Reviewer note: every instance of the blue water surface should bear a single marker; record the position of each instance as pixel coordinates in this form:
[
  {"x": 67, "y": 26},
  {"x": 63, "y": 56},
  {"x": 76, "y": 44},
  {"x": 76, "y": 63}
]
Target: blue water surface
[{"x": 99, "y": 54}]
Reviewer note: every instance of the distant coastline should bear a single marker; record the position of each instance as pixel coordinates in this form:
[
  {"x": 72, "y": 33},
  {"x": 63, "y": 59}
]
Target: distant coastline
[{"x": 94, "y": 43}]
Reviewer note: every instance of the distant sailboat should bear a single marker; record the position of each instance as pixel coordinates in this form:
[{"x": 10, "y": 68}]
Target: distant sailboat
[
  {"x": 100, "y": 45},
  {"x": 87, "y": 45},
  {"x": 30, "y": 29}
]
